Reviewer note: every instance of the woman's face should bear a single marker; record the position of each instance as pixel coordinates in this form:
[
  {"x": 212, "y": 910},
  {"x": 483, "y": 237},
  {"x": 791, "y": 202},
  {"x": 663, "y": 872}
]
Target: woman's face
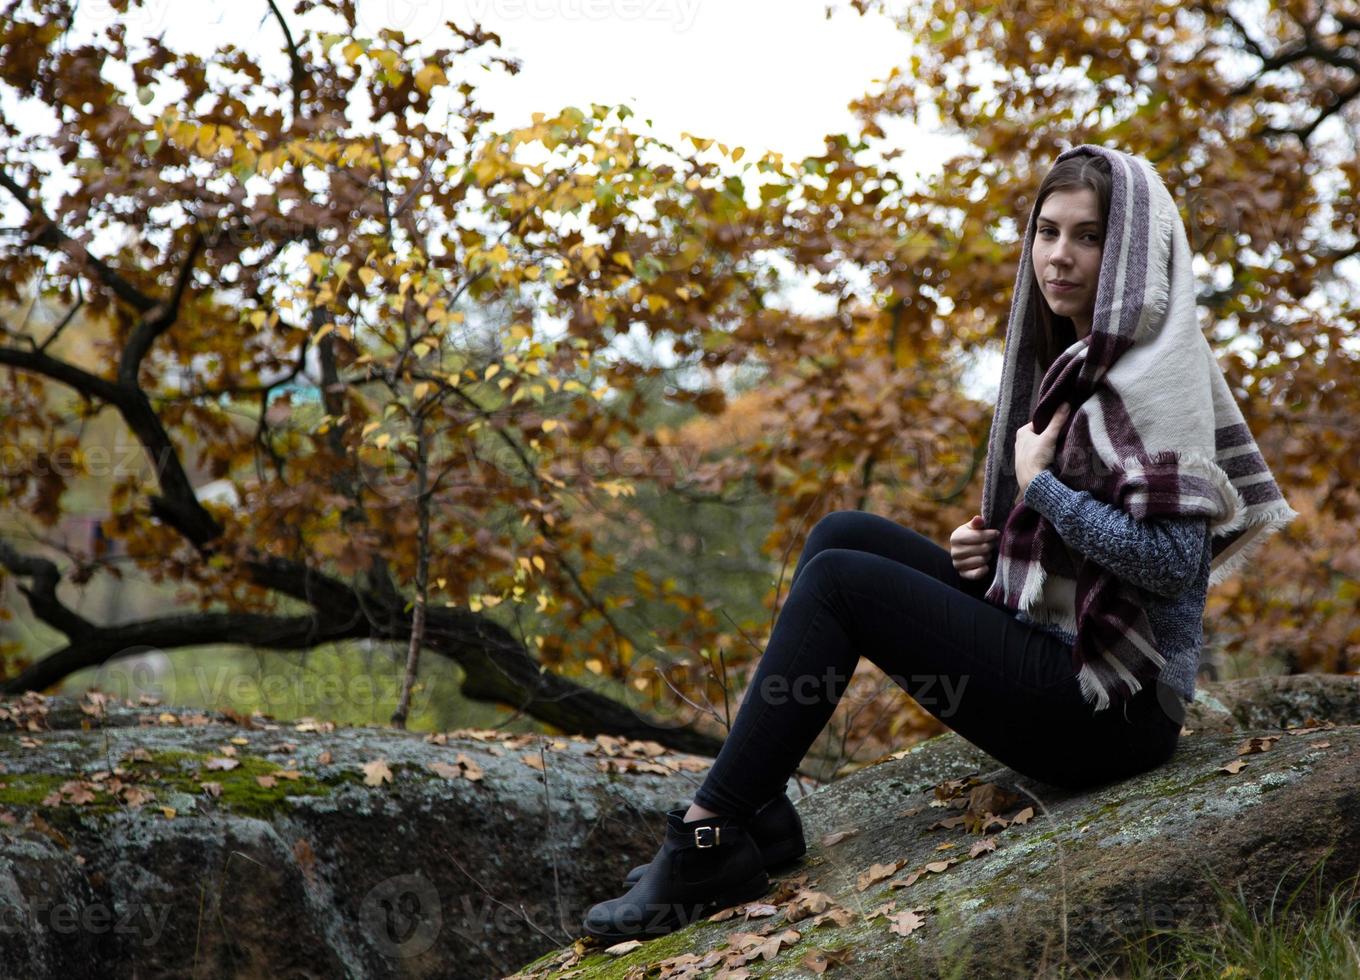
[{"x": 1067, "y": 247}]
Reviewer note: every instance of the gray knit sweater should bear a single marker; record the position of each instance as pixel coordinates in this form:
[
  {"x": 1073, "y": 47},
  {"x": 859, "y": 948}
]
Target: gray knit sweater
[{"x": 1167, "y": 559}]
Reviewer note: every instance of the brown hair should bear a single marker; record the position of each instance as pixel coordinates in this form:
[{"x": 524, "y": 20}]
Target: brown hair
[{"x": 1056, "y": 333}]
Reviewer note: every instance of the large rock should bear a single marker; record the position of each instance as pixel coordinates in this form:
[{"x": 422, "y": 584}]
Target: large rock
[
  {"x": 473, "y": 856},
  {"x": 1065, "y": 876},
  {"x": 482, "y": 852}
]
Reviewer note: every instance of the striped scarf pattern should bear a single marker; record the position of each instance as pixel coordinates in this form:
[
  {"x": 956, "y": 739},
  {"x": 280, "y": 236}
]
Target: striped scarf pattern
[{"x": 1154, "y": 430}]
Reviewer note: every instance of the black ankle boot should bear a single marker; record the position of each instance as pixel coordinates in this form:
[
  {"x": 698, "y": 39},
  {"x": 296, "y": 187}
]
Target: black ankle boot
[
  {"x": 702, "y": 866},
  {"x": 776, "y": 828}
]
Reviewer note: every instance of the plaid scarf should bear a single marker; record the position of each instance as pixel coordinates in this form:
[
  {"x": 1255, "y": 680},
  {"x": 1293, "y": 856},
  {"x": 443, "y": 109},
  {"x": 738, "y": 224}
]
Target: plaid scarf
[{"x": 1154, "y": 430}]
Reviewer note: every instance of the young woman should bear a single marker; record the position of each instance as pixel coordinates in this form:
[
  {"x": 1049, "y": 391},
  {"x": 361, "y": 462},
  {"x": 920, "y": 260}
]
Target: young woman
[{"x": 1139, "y": 486}]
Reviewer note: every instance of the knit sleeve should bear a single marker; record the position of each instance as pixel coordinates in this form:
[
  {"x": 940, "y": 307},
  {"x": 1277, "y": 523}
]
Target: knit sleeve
[{"x": 1161, "y": 555}]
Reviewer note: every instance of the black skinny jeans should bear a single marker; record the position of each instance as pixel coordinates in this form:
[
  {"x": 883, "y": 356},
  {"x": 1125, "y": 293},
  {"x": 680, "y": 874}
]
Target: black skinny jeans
[{"x": 867, "y": 585}]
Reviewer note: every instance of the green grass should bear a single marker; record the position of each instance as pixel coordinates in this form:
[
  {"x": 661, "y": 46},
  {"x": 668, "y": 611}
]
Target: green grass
[{"x": 1305, "y": 936}]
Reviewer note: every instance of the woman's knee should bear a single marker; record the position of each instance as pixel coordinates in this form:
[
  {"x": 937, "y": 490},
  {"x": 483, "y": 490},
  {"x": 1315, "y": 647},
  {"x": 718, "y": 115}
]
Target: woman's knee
[{"x": 838, "y": 529}]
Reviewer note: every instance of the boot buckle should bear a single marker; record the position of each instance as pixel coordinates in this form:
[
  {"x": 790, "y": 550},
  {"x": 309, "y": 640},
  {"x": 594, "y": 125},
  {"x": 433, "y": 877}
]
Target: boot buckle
[{"x": 699, "y": 841}]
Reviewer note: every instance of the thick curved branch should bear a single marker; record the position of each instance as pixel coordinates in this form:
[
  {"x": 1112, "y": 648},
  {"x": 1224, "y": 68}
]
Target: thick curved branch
[
  {"x": 42, "y": 596},
  {"x": 495, "y": 665},
  {"x": 171, "y": 632}
]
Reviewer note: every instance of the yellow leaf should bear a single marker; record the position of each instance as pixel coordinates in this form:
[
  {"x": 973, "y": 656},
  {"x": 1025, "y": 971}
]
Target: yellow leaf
[
  {"x": 421, "y": 389},
  {"x": 369, "y": 428},
  {"x": 316, "y": 337},
  {"x": 624, "y": 259},
  {"x": 539, "y": 563},
  {"x": 382, "y": 440},
  {"x": 491, "y": 372},
  {"x": 549, "y": 424},
  {"x": 430, "y": 76},
  {"x": 315, "y": 261},
  {"x": 366, "y": 276},
  {"x": 352, "y": 51}
]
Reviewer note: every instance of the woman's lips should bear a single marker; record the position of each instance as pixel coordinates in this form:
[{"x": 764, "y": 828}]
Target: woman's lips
[{"x": 1062, "y": 287}]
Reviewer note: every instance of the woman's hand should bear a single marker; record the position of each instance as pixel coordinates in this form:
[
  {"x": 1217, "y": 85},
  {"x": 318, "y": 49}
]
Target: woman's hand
[
  {"x": 970, "y": 547},
  {"x": 1035, "y": 450}
]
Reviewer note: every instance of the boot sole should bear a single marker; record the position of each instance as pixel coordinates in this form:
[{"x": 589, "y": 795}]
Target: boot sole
[{"x": 746, "y": 892}]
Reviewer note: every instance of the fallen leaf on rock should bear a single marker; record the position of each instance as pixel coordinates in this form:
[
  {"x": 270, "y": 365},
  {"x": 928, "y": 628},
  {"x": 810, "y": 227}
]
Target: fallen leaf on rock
[
  {"x": 376, "y": 773},
  {"x": 532, "y": 761},
  {"x": 989, "y": 798},
  {"x": 751, "y": 910},
  {"x": 949, "y": 823},
  {"x": 945, "y": 846},
  {"x": 1258, "y": 743},
  {"x": 217, "y": 762},
  {"x": 953, "y": 787},
  {"x": 136, "y": 795},
  {"x": 1236, "y": 766},
  {"x": 73, "y": 791},
  {"x": 43, "y": 827},
  {"x": 1024, "y": 816},
  {"x": 1322, "y": 745},
  {"x": 324, "y": 758},
  {"x": 908, "y": 881},
  {"x": 808, "y": 902},
  {"x": 740, "y": 973},
  {"x": 305, "y": 856},
  {"x": 169, "y": 811},
  {"x": 239, "y": 740},
  {"x": 768, "y": 948},
  {"x": 905, "y": 923},
  {"x": 212, "y": 789},
  {"x": 839, "y": 917},
  {"x": 624, "y": 948},
  {"x": 877, "y": 872},
  {"x": 992, "y": 820},
  {"x": 267, "y": 781},
  {"x": 288, "y": 774},
  {"x": 471, "y": 770},
  {"x": 821, "y": 960},
  {"x": 982, "y": 847},
  {"x": 831, "y": 840}
]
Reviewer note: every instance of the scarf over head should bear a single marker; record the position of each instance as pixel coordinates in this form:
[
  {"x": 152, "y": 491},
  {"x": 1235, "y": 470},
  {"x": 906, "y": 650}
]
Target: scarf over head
[{"x": 1153, "y": 430}]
